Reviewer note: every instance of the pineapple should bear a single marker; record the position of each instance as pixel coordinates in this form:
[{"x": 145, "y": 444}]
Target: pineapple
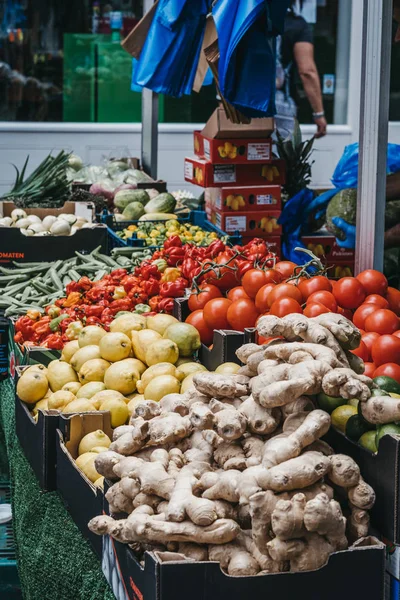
[{"x": 296, "y": 155}]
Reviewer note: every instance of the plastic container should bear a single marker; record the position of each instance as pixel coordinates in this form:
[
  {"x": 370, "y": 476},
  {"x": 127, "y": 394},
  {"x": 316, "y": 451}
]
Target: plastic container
[
  {"x": 10, "y": 588},
  {"x": 196, "y": 217}
]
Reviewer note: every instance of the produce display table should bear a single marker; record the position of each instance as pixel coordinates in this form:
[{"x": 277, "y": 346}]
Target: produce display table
[{"x": 53, "y": 558}]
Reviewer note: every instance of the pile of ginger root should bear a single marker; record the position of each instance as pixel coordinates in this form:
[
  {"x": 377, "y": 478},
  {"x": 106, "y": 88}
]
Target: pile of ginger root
[{"x": 234, "y": 470}]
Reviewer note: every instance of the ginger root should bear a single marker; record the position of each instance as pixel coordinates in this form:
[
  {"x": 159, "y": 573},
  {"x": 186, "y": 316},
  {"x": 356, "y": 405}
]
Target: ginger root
[{"x": 221, "y": 386}]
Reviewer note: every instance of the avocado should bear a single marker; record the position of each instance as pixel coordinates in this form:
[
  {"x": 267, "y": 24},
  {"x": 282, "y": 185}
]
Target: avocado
[
  {"x": 343, "y": 205},
  {"x": 387, "y": 383}
]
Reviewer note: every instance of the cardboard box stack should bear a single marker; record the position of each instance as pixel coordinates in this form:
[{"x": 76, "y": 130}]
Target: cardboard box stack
[
  {"x": 339, "y": 260},
  {"x": 242, "y": 178}
]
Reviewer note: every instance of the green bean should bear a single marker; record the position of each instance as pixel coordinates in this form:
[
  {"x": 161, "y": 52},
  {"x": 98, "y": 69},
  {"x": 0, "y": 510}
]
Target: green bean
[
  {"x": 9, "y": 300},
  {"x": 41, "y": 287},
  {"x": 16, "y": 278},
  {"x": 106, "y": 260},
  {"x": 66, "y": 280},
  {"x": 32, "y": 265},
  {"x": 55, "y": 279},
  {"x": 100, "y": 275},
  {"x": 74, "y": 275},
  {"x": 87, "y": 258},
  {"x": 88, "y": 268},
  {"x": 13, "y": 289},
  {"x": 21, "y": 310},
  {"x": 26, "y": 293}
]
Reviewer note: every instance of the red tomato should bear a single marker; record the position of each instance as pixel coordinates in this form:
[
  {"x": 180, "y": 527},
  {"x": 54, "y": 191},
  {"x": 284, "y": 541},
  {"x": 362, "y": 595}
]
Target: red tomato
[
  {"x": 362, "y": 313},
  {"x": 236, "y": 293},
  {"x": 393, "y": 297},
  {"x": 349, "y": 293},
  {"x": 377, "y": 300},
  {"x": 224, "y": 278},
  {"x": 325, "y": 298},
  {"x": 369, "y": 338},
  {"x": 242, "y": 314},
  {"x": 253, "y": 280},
  {"x": 314, "y": 309},
  {"x": 285, "y": 306},
  {"x": 382, "y": 321},
  {"x": 373, "y": 281},
  {"x": 370, "y": 368},
  {"x": 197, "y": 301},
  {"x": 215, "y": 312},
  {"x": 286, "y": 268},
  {"x": 386, "y": 349},
  {"x": 196, "y": 319},
  {"x": 314, "y": 284},
  {"x": 389, "y": 370},
  {"x": 262, "y": 297},
  {"x": 362, "y": 351},
  {"x": 284, "y": 290},
  {"x": 397, "y": 333},
  {"x": 346, "y": 312}
]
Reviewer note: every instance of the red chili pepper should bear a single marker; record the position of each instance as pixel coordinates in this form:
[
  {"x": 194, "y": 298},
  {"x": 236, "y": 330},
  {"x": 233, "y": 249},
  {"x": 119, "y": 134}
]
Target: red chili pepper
[
  {"x": 151, "y": 287},
  {"x": 24, "y": 325},
  {"x": 95, "y": 310},
  {"x": 153, "y": 302},
  {"x": 215, "y": 248},
  {"x": 118, "y": 274},
  {"x": 93, "y": 321},
  {"x": 147, "y": 270},
  {"x": 104, "y": 293},
  {"x": 19, "y": 338},
  {"x": 41, "y": 327},
  {"x": 166, "y": 305},
  {"x": 82, "y": 285},
  {"x": 105, "y": 315},
  {"x": 173, "y": 242},
  {"x": 119, "y": 305},
  {"x": 63, "y": 325},
  {"x": 173, "y": 289},
  {"x": 130, "y": 282},
  {"x": 174, "y": 256},
  {"x": 54, "y": 341},
  {"x": 243, "y": 267}
]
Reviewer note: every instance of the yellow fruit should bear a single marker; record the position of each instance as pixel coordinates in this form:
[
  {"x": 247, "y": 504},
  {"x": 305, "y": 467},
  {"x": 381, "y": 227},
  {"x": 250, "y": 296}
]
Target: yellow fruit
[
  {"x": 122, "y": 377},
  {"x": 93, "y": 370},
  {"x": 164, "y": 368},
  {"x": 138, "y": 365},
  {"x": 187, "y": 383},
  {"x": 118, "y": 410},
  {"x": 132, "y": 404},
  {"x": 161, "y": 386},
  {"x": 60, "y": 399},
  {"x": 128, "y": 323},
  {"x": 90, "y": 335},
  {"x": 69, "y": 350},
  {"x": 159, "y": 323},
  {"x": 59, "y": 373},
  {"x": 99, "y": 482},
  {"x": 41, "y": 405},
  {"x": 185, "y": 336},
  {"x": 83, "y": 459},
  {"x": 115, "y": 346},
  {"x": 37, "y": 369},
  {"x": 83, "y": 355},
  {"x": 101, "y": 397},
  {"x": 99, "y": 449},
  {"x": 228, "y": 368},
  {"x": 93, "y": 439},
  {"x": 393, "y": 395},
  {"x": 73, "y": 387},
  {"x": 32, "y": 387},
  {"x": 90, "y": 389},
  {"x": 341, "y": 415},
  {"x": 88, "y": 467},
  {"x": 162, "y": 351},
  {"x": 188, "y": 368},
  {"x": 183, "y": 361},
  {"x": 80, "y": 405},
  {"x": 141, "y": 341}
]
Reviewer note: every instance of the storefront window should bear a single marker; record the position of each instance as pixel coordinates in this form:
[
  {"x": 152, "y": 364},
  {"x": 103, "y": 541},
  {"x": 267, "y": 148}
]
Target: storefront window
[{"x": 62, "y": 62}]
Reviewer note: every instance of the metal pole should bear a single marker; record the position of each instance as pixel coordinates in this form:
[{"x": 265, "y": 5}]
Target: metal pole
[
  {"x": 374, "y": 122},
  {"x": 149, "y": 122}
]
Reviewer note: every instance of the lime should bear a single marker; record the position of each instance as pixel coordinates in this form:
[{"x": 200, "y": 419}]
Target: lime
[
  {"x": 367, "y": 440},
  {"x": 387, "y": 383},
  {"x": 329, "y": 403},
  {"x": 393, "y": 395},
  {"x": 385, "y": 430},
  {"x": 355, "y": 427},
  {"x": 379, "y": 392},
  {"x": 341, "y": 415}
]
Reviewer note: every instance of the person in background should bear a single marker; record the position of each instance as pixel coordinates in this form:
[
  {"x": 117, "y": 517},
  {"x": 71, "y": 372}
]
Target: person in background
[{"x": 295, "y": 59}]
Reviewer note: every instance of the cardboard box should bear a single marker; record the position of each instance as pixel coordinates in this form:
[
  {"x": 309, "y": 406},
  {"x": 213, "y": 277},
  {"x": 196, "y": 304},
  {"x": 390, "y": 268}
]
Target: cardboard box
[
  {"x": 220, "y": 127},
  {"x": 381, "y": 471},
  {"x": 38, "y": 440},
  {"x": 248, "y": 223},
  {"x": 206, "y": 174},
  {"x": 233, "y": 150},
  {"x": 252, "y": 198},
  {"x": 326, "y": 246},
  {"x": 354, "y": 573},
  {"x": 83, "y": 500},
  {"x": 16, "y": 247},
  {"x": 340, "y": 269}
]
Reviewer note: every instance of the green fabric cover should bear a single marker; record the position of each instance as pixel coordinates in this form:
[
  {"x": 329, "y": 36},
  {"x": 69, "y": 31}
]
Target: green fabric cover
[{"x": 54, "y": 560}]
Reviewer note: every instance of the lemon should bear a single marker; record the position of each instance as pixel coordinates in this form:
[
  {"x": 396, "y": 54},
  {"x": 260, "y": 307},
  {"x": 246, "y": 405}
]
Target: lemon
[
  {"x": 99, "y": 482},
  {"x": 83, "y": 355},
  {"x": 32, "y": 387},
  {"x": 72, "y": 386},
  {"x": 87, "y": 466},
  {"x": 59, "y": 373},
  {"x": 69, "y": 350},
  {"x": 189, "y": 368},
  {"x": 115, "y": 346},
  {"x": 93, "y": 439},
  {"x": 228, "y": 368},
  {"x": 160, "y": 322},
  {"x": 393, "y": 395},
  {"x": 90, "y": 335},
  {"x": 341, "y": 415},
  {"x": 118, "y": 410},
  {"x": 162, "y": 351},
  {"x": 60, "y": 399},
  {"x": 161, "y": 386},
  {"x": 329, "y": 403},
  {"x": 80, "y": 405},
  {"x": 187, "y": 383},
  {"x": 353, "y": 402},
  {"x": 367, "y": 440}
]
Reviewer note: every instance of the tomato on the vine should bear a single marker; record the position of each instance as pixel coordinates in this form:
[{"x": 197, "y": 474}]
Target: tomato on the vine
[
  {"x": 242, "y": 314},
  {"x": 286, "y": 268},
  {"x": 255, "y": 279},
  {"x": 215, "y": 313},
  {"x": 197, "y": 301},
  {"x": 393, "y": 297},
  {"x": 362, "y": 313},
  {"x": 374, "y": 282},
  {"x": 382, "y": 321},
  {"x": 224, "y": 277},
  {"x": 369, "y": 338},
  {"x": 397, "y": 333},
  {"x": 349, "y": 292},
  {"x": 377, "y": 300},
  {"x": 370, "y": 368},
  {"x": 236, "y": 293},
  {"x": 314, "y": 284},
  {"x": 362, "y": 351},
  {"x": 284, "y": 290},
  {"x": 386, "y": 349},
  {"x": 325, "y": 298},
  {"x": 196, "y": 319},
  {"x": 315, "y": 309},
  {"x": 285, "y": 306},
  {"x": 346, "y": 312},
  {"x": 389, "y": 370},
  {"x": 261, "y": 299}
]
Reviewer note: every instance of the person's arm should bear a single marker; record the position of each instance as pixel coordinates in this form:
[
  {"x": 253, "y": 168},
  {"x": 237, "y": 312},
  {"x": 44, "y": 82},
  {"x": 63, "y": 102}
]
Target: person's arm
[
  {"x": 304, "y": 57},
  {"x": 393, "y": 186}
]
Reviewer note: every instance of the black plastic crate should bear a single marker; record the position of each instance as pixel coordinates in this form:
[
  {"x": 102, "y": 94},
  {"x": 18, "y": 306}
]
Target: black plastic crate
[{"x": 10, "y": 588}]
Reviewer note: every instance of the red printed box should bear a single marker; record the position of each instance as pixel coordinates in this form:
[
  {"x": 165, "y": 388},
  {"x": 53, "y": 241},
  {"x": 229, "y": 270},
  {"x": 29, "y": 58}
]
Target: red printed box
[
  {"x": 233, "y": 199},
  {"x": 250, "y": 224},
  {"x": 233, "y": 150},
  {"x": 326, "y": 246},
  {"x": 206, "y": 174},
  {"x": 337, "y": 270}
]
